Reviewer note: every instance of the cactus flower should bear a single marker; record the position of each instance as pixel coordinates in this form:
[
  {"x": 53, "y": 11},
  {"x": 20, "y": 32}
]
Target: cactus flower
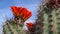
[
  {"x": 21, "y": 12},
  {"x": 29, "y": 25}
]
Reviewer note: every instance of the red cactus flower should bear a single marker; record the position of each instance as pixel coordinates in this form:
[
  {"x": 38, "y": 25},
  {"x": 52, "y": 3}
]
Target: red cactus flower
[
  {"x": 26, "y": 14},
  {"x": 29, "y": 25},
  {"x": 21, "y": 12},
  {"x": 14, "y": 10}
]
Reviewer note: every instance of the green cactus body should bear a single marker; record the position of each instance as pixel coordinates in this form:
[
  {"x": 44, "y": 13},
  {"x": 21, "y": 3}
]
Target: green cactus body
[
  {"x": 48, "y": 20},
  {"x": 11, "y": 28}
]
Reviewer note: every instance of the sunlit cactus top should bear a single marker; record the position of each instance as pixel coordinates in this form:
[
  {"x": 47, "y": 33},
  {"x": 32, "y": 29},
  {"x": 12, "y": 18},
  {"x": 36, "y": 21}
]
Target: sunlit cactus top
[{"x": 21, "y": 12}]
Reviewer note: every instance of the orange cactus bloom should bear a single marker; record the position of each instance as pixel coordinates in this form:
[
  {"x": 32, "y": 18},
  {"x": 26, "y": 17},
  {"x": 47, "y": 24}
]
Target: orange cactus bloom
[
  {"x": 21, "y": 12},
  {"x": 14, "y": 9},
  {"x": 26, "y": 14},
  {"x": 29, "y": 25}
]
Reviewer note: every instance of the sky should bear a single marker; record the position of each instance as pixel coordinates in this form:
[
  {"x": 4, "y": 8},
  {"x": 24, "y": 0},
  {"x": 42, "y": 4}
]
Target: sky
[{"x": 5, "y": 11}]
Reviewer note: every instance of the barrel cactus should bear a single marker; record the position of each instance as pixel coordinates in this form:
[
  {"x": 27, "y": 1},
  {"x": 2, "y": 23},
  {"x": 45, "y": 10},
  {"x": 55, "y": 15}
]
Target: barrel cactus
[{"x": 48, "y": 18}]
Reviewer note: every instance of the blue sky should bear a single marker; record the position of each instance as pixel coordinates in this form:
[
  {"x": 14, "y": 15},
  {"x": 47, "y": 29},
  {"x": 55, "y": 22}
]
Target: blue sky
[{"x": 5, "y": 11}]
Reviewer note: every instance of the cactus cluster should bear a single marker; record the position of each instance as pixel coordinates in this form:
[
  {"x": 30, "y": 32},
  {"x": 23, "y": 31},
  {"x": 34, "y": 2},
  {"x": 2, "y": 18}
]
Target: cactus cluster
[{"x": 47, "y": 22}]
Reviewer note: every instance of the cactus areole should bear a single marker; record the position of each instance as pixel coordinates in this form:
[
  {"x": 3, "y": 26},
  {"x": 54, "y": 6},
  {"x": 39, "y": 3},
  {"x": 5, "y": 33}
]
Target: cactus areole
[{"x": 21, "y": 12}]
